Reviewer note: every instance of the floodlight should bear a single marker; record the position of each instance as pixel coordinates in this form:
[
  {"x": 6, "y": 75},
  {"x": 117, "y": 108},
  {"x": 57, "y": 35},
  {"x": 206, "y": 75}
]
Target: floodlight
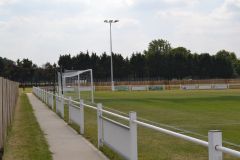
[{"x": 110, "y": 21}]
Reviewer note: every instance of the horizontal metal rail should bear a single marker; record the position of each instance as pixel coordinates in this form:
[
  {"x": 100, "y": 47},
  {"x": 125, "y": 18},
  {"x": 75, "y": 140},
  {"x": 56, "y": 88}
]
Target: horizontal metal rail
[
  {"x": 75, "y": 106},
  {"x": 115, "y": 122},
  {"x": 116, "y": 115},
  {"x": 175, "y": 134},
  {"x": 89, "y": 106},
  {"x": 228, "y": 151}
]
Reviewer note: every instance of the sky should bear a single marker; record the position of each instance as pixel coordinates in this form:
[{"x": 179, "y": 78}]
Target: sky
[{"x": 41, "y": 30}]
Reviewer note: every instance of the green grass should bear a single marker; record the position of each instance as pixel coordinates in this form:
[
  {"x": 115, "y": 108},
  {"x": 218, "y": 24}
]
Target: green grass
[
  {"x": 26, "y": 140},
  {"x": 196, "y": 111},
  {"x": 26, "y": 90}
]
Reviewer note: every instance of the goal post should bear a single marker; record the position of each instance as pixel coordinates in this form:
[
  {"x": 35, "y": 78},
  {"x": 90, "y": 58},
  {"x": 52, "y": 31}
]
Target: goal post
[{"x": 78, "y": 84}]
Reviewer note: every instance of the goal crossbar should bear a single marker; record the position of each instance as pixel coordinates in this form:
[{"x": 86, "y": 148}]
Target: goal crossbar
[{"x": 71, "y": 73}]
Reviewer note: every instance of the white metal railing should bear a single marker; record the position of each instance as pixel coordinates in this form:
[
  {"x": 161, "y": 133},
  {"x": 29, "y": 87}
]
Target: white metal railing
[{"x": 214, "y": 144}]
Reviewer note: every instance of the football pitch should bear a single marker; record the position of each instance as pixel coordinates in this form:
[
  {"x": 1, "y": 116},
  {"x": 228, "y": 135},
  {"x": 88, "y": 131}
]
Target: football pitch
[{"x": 191, "y": 112}]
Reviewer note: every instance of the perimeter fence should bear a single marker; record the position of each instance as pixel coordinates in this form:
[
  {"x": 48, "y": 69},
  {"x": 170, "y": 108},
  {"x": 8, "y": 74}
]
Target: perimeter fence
[{"x": 8, "y": 100}]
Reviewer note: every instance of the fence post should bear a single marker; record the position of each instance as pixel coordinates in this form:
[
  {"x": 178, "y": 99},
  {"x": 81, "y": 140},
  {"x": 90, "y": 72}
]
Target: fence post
[
  {"x": 62, "y": 105},
  {"x": 45, "y": 96},
  {"x": 82, "y": 117},
  {"x": 48, "y": 99},
  {"x": 214, "y": 139},
  {"x": 100, "y": 125},
  {"x": 42, "y": 95},
  {"x": 39, "y": 92},
  {"x": 52, "y": 102},
  {"x": 56, "y": 102},
  {"x": 69, "y": 105},
  {"x": 133, "y": 133}
]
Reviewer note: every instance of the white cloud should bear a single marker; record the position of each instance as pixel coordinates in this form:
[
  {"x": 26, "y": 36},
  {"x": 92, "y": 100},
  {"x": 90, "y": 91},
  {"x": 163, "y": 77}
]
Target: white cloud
[
  {"x": 203, "y": 31},
  {"x": 230, "y": 9},
  {"x": 43, "y": 34},
  {"x": 182, "y": 2},
  {"x": 6, "y": 2}
]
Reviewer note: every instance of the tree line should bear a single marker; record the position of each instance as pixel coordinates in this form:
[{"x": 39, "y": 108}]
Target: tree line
[
  {"x": 26, "y": 71},
  {"x": 159, "y": 61}
]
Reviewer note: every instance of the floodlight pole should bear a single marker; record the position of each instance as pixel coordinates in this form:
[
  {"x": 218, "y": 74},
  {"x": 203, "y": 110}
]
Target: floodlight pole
[
  {"x": 111, "y": 56},
  {"x": 110, "y": 24}
]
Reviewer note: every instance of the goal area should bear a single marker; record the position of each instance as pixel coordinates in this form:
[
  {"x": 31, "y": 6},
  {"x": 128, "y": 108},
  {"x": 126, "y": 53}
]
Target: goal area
[{"x": 77, "y": 84}]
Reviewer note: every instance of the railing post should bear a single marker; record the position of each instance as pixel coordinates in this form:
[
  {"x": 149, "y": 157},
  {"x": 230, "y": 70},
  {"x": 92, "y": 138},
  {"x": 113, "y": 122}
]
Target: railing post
[
  {"x": 44, "y": 96},
  {"x": 100, "y": 125},
  {"x": 62, "y": 105},
  {"x": 81, "y": 117},
  {"x": 45, "y": 100},
  {"x": 40, "y": 94},
  {"x": 133, "y": 133},
  {"x": 52, "y": 102},
  {"x": 56, "y": 102},
  {"x": 214, "y": 139},
  {"x": 69, "y": 105},
  {"x": 48, "y": 99}
]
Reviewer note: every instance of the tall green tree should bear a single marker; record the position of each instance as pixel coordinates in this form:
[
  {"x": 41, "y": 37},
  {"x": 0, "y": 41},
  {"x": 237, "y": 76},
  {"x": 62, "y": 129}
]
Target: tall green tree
[
  {"x": 65, "y": 61},
  {"x": 159, "y": 46},
  {"x": 138, "y": 68},
  {"x": 179, "y": 65}
]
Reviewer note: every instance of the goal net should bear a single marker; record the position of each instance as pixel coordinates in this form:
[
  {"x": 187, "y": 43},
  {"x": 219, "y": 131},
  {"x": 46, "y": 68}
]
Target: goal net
[{"x": 77, "y": 85}]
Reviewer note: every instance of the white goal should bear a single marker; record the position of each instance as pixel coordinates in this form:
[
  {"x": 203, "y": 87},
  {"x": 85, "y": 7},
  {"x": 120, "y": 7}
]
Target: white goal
[{"x": 77, "y": 84}]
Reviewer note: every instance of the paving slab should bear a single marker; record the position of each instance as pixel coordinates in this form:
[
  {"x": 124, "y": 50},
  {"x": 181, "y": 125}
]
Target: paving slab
[{"x": 64, "y": 142}]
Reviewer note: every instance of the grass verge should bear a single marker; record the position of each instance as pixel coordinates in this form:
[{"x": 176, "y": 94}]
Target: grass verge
[{"x": 26, "y": 140}]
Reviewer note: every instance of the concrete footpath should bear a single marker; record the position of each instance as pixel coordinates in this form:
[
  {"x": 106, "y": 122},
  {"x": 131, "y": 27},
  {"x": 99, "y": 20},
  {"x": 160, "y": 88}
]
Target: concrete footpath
[{"x": 64, "y": 142}]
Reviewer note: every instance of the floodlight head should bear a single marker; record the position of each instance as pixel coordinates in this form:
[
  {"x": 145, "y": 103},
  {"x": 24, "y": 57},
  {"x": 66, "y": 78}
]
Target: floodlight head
[
  {"x": 106, "y": 21},
  {"x": 115, "y": 21},
  {"x": 110, "y": 21}
]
